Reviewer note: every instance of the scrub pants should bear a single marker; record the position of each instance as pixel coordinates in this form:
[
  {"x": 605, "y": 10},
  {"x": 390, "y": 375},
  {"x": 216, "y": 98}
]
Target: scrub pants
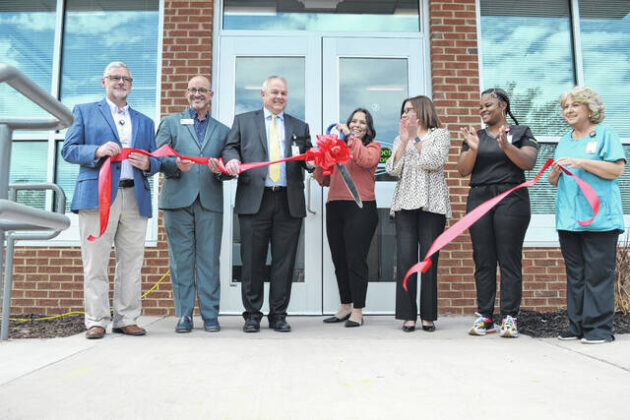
[
  {"x": 498, "y": 238},
  {"x": 590, "y": 259}
]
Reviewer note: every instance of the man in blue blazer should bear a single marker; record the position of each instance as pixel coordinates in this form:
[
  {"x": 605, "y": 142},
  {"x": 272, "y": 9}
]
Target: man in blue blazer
[
  {"x": 269, "y": 201},
  {"x": 99, "y": 130},
  {"x": 192, "y": 200}
]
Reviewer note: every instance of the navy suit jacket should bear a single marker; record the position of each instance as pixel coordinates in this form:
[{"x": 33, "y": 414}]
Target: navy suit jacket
[
  {"x": 181, "y": 189},
  {"x": 93, "y": 126},
  {"x": 247, "y": 142}
]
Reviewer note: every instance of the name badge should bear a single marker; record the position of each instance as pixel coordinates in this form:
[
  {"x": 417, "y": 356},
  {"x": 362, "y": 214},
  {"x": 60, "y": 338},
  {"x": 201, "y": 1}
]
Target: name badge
[
  {"x": 591, "y": 147},
  {"x": 186, "y": 121},
  {"x": 295, "y": 150}
]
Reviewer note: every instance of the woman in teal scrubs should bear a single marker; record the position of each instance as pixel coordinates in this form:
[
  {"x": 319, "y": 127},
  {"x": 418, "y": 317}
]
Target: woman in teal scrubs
[{"x": 593, "y": 152}]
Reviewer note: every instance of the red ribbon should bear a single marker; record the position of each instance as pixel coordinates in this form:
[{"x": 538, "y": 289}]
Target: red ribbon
[
  {"x": 469, "y": 219},
  {"x": 329, "y": 152}
]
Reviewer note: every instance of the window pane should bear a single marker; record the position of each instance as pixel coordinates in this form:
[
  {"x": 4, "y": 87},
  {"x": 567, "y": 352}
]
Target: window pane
[
  {"x": 251, "y": 73},
  {"x": 381, "y": 89},
  {"x": 27, "y": 34},
  {"x": 605, "y": 30},
  {"x": 97, "y": 33},
  {"x": 526, "y": 50},
  {"x": 28, "y": 164},
  {"x": 542, "y": 196},
  {"x": 65, "y": 175},
  {"x": 322, "y": 15}
]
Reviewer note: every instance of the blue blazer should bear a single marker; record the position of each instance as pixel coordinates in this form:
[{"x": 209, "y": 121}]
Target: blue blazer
[
  {"x": 181, "y": 189},
  {"x": 93, "y": 126}
]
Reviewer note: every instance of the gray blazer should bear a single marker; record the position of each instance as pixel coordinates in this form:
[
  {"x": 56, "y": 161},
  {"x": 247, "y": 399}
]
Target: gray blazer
[
  {"x": 247, "y": 142},
  {"x": 180, "y": 189}
]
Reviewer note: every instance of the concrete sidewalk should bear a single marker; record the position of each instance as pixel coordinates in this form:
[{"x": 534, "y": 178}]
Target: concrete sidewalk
[{"x": 316, "y": 372}]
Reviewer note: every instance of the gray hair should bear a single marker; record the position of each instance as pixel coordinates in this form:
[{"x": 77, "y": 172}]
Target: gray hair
[
  {"x": 270, "y": 78},
  {"x": 115, "y": 65}
]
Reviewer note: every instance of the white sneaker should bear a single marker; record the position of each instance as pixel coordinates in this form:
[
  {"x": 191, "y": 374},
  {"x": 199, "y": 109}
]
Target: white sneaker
[
  {"x": 482, "y": 326},
  {"x": 509, "y": 327}
]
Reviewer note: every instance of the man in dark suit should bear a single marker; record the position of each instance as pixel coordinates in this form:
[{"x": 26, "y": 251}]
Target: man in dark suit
[
  {"x": 99, "y": 130},
  {"x": 192, "y": 200},
  {"x": 269, "y": 201}
]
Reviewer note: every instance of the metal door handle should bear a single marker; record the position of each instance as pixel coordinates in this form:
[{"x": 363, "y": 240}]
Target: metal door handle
[{"x": 309, "y": 178}]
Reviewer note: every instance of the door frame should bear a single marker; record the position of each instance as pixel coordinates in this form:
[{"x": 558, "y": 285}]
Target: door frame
[{"x": 313, "y": 300}]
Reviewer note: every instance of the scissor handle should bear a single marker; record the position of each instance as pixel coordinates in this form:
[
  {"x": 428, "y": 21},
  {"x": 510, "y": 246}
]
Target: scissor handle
[{"x": 342, "y": 136}]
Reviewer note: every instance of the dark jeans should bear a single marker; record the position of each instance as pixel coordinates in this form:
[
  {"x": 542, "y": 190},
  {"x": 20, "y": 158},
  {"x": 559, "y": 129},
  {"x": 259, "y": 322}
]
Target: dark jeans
[
  {"x": 590, "y": 259},
  {"x": 350, "y": 230},
  {"x": 415, "y": 227},
  {"x": 498, "y": 238}
]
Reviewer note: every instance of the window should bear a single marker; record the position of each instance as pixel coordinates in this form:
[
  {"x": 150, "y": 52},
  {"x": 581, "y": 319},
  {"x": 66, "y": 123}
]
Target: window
[
  {"x": 94, "y": 33},
  {"x": 27, "y": 33},
  {"x": 322, "y": 15},
  {"x": 538, "y": 49},
  {"x": 97, "y": 33}
]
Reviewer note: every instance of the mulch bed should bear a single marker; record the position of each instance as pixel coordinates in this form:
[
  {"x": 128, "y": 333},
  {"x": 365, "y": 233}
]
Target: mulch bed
[
  {"x": 551, "y": 324},
  {"x": 50, "y": 328},
  {"x": 534, "y": 324}
]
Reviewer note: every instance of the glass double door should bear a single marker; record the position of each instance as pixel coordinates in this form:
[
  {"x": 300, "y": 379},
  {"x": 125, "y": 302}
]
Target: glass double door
[{"x": 327, "y": 77}]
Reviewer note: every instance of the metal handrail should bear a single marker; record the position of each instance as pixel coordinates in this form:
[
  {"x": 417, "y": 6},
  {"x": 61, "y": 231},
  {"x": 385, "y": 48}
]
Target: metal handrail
[
  {"x": 18, "y": 81},
  {"x": 18, "y": 217}
]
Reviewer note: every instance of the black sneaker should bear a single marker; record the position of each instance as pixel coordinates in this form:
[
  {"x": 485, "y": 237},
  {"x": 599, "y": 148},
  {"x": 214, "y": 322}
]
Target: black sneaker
[{"x": 568, "y": 336}]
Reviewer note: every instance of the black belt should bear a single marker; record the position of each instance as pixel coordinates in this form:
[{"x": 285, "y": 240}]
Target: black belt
[
  {"x": 126, "y": 183},
  {"x": 275, "y": 188}
]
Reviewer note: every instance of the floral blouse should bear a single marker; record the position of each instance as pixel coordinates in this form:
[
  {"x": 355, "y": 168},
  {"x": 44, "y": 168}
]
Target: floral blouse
[{"x": 421, "y": 182}]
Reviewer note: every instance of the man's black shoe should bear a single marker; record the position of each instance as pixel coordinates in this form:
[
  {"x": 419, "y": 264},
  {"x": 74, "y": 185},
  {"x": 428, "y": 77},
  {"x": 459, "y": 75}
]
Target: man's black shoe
[
  {"x": 280, "y": 325},
  {"x": 251, "y": 325}
]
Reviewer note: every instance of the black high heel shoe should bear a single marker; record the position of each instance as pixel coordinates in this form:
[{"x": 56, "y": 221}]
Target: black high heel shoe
[
  {"x": 351, "y": 324},
  {"x": 428, "y": 328},
  {"x": 333, "y": 319},
  {"x": 409, "y": 328}
]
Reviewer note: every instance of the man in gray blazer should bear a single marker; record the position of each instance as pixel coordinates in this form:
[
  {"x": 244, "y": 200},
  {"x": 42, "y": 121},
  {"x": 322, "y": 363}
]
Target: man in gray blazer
[
  {"x": 192, "y": 200},
  {"x": 269, "y": 201}
]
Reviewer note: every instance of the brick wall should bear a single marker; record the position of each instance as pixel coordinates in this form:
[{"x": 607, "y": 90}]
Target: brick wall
[
  {"x": 455, "y": 85},
  {"x": 50, "y": 280}
]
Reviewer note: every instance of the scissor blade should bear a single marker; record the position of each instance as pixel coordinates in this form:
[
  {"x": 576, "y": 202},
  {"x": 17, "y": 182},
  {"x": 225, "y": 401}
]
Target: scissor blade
[{"x": 347, "y": 179}]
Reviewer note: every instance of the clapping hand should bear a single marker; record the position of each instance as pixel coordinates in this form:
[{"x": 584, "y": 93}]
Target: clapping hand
[{"x": 470, "y": 137}]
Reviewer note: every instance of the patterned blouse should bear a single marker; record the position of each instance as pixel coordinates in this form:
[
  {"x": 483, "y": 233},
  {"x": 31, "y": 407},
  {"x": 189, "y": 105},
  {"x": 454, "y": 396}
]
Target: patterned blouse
[{"x": 421, "y": 183}]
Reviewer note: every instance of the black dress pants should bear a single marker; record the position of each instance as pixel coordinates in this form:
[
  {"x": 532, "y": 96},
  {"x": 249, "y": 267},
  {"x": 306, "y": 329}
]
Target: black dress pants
[
  {"x": 413, "y": 228},
  {"x": 590, "y": 259},
  {"x": 498, "y": 238},
  {"x": 272, "y": 224},
  {"x": 350, "y": 230}
]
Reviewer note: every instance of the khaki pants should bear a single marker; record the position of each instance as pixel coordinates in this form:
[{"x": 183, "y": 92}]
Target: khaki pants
[{"x": 126, "y": 230}]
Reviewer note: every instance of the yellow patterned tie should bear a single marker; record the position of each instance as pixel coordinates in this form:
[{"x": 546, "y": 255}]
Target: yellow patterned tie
[{"x": 274, "y": 150}]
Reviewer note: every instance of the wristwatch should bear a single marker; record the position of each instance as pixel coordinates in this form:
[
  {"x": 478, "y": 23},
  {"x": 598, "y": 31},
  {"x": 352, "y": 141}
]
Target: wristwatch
[{"x": 417, "y": 140}]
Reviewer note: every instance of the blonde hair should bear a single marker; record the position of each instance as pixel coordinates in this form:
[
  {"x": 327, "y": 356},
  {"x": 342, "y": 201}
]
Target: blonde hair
[{"x": 588, "y": 97}]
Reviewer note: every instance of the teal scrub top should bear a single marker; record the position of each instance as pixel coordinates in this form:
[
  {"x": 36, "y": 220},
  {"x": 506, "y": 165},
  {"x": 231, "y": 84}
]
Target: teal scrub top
[{"x": 571, "y": 205}]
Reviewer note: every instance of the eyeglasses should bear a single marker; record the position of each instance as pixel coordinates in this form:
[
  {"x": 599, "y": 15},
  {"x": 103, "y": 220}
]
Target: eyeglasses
[
  {"x": 408, "y": 110},
  {"x": 117, "y": 78},
  {"x": 194, "y": 91}
]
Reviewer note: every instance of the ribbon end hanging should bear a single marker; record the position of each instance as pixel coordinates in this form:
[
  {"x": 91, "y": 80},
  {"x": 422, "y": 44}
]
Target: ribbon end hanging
[{"x": 420, "y": 267}]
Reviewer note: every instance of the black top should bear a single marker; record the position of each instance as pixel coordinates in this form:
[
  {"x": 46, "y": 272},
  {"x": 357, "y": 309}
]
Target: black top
[{"x": 492, "y": 165}]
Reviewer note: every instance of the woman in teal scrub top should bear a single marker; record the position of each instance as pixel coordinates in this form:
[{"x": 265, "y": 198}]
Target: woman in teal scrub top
[{"x": 593, "y": 152}]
